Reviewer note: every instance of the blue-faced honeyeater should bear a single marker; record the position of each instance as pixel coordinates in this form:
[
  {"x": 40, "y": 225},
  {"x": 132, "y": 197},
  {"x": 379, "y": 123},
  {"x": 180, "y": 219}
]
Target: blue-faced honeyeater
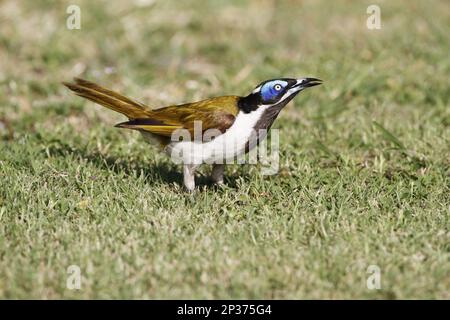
[{"x": 227, "y": 126}]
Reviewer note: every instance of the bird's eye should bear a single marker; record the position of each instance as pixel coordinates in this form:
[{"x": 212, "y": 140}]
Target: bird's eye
[{"x": 277, "y": 87}]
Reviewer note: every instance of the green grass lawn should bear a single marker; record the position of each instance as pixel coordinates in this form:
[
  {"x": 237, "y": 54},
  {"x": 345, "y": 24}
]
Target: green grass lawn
[{"x": 364, "y": 177}]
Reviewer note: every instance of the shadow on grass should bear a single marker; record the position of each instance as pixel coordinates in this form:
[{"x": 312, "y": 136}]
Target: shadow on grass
[
  {"x": 166, "y": 172},
  {"x": 153, "y": 171}
]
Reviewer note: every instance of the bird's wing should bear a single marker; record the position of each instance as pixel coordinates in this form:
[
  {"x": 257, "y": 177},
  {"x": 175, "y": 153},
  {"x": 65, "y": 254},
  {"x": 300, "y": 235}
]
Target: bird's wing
[{"x": 215, "y": 113}]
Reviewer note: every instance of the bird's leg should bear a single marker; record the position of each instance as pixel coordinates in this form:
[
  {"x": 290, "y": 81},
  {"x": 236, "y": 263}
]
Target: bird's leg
[
  {"x": 189, "y": 176},
  {"x": 217, "y": 173}
]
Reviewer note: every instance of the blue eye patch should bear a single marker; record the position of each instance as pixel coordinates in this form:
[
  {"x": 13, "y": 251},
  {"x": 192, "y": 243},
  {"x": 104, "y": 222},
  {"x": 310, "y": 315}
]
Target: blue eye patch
[{"x": 272, "y": 89}]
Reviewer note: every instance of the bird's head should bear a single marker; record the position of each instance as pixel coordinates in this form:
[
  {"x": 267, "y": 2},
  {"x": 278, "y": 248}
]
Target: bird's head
[{"x": 275, "y": 93}]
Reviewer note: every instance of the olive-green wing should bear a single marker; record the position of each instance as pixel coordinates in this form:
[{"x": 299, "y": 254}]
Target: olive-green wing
[{"x": 216, "y": 113}]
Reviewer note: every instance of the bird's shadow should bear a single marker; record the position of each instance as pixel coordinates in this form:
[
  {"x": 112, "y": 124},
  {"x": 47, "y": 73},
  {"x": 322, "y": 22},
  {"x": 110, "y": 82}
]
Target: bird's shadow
[{"x": 154, "y": 172}]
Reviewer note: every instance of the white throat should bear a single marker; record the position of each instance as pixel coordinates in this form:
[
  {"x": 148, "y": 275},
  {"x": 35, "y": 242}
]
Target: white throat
[{"x": 226, "y": 146}]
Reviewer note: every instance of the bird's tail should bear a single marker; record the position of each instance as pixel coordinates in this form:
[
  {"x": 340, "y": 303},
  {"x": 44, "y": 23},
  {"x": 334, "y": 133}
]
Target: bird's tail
[{"x": 109, "y": 99}]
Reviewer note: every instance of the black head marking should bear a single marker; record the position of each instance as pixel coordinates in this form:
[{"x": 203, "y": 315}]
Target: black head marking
[
  {"x": 249, "y": 103},
  {"x": 275, "y": 92}
]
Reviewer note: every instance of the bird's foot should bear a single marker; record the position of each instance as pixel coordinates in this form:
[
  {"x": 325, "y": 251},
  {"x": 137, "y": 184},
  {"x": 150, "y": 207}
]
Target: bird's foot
[
  {"x": 217, "y": 173},
  {"x": 189, "y": 177}
]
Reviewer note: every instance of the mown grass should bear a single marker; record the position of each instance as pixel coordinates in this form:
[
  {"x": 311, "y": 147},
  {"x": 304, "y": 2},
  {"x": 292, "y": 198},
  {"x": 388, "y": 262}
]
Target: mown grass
[{"x": 364, "y": 176}]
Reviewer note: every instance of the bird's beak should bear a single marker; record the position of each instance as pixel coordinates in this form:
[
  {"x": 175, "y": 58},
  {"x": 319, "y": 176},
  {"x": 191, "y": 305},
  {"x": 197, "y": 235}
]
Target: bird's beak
[{"x": 306, "y": 83}]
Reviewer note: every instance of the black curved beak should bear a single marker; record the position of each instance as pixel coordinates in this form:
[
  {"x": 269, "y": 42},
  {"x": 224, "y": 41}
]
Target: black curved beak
[{"x": 307, "y": 82}]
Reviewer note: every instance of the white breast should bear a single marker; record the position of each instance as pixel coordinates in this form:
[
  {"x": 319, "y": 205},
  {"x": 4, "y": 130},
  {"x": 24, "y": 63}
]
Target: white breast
[{"x": 226, "y": 146}]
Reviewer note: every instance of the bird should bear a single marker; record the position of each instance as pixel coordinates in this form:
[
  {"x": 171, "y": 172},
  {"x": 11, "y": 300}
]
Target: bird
[{"x": 209, "y": 131}]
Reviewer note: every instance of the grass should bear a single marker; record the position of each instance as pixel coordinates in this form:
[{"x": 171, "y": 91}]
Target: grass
[{"x": 364, "y": 176}]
